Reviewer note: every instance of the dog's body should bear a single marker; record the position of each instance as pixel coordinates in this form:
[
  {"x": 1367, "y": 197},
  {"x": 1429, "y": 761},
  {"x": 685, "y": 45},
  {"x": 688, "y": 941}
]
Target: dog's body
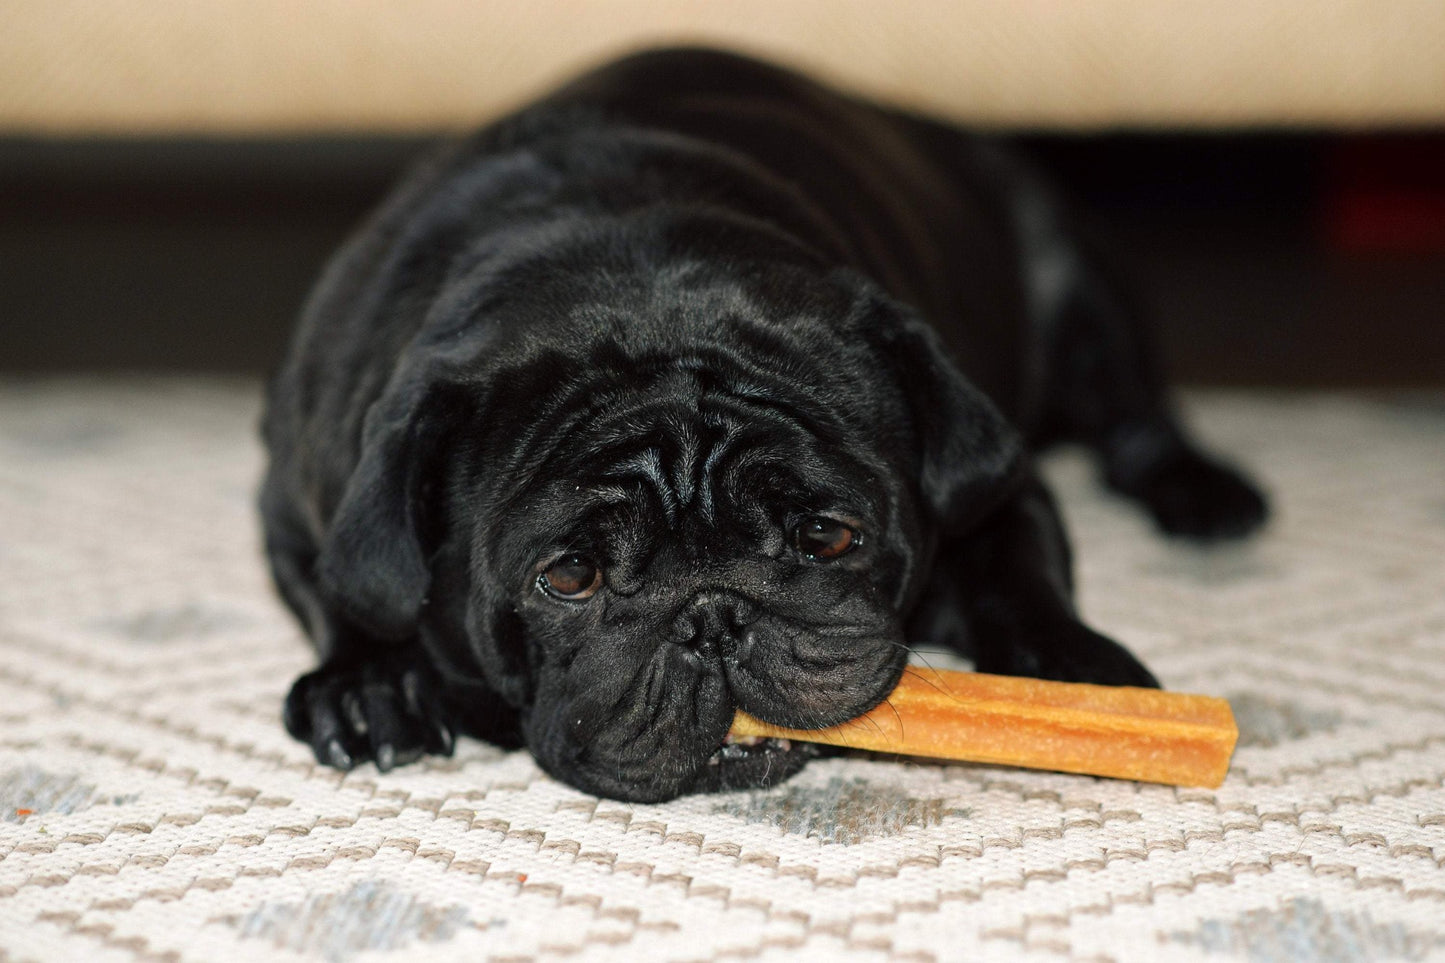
[{"x": 698, "y": 386}]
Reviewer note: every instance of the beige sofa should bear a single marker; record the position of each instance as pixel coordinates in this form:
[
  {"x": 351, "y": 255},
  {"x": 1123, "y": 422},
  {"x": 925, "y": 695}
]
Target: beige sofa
[{"x": 278, "y": 66}]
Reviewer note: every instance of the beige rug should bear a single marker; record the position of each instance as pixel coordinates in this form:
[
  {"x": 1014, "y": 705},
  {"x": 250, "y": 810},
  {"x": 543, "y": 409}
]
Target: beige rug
[{"x": 151, "y": 807}]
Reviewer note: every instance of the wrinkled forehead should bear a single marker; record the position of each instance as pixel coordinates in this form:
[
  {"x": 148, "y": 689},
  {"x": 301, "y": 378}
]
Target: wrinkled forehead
[
  {"x": 687, "y": 456},
  {"x": 701, "y": 450}
]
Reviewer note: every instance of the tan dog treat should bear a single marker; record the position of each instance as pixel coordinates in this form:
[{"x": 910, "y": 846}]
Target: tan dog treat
[{"x": 1117, "y": 731}]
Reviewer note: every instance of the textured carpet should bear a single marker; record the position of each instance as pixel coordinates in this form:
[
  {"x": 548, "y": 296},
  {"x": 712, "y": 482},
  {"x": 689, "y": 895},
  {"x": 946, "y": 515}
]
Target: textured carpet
[{"x": 151, "y": 808}]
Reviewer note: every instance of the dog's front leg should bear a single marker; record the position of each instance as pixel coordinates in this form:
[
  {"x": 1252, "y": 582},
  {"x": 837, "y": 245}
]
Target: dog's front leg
[
  {"x": 383, "y": 706},
  {"x": 369, "y": 698},
  {"x": 1002, "y": 594}
]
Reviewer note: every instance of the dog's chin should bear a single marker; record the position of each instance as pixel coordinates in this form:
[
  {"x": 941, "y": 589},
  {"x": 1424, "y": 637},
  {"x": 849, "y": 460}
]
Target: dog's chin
[
  {"x": 734, "y": 765},
  {"x": 752, "y": 763},
  {"x": 614, "y": 746}
]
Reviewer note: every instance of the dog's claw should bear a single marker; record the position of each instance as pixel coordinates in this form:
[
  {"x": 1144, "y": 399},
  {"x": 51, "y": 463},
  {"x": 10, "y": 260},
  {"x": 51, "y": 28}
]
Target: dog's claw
[
  {"x": 379, "y": 711},
  {"x": 385, "y": 758},
  {"x": 336, "y": 756},
  {"x": 351, "y": 711},
  {"x": 445, "y": 743}
]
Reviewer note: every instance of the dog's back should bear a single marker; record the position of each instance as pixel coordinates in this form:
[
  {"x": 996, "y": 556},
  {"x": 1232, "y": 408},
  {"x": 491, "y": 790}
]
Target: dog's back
[{"x": 914, "y": 205}]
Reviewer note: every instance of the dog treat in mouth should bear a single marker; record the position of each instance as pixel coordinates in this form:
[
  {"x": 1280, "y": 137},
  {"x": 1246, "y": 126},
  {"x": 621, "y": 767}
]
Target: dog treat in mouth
[{"x": 1117, "y": 731}]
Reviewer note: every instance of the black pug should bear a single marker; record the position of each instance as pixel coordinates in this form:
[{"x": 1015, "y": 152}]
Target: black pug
[{"x": 698, "y": 386}]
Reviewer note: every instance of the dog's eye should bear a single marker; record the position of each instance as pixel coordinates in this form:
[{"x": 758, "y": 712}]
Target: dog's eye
[
  {"x": 571, "y": 577},
  {"x": 823, "y": 539}
]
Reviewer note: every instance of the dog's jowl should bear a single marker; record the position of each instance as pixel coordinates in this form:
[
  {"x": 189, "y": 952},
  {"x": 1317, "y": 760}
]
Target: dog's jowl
[{"x": 697, "y": 386}]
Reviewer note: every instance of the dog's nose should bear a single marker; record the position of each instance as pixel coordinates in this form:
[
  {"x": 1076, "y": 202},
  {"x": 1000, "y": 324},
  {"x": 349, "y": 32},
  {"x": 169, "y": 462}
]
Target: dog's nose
[{"x": 713, "y": 622}]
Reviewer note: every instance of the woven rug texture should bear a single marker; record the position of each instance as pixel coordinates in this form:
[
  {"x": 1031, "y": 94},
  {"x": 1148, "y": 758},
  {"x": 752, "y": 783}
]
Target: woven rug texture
[{"x": 152, "y": 808}]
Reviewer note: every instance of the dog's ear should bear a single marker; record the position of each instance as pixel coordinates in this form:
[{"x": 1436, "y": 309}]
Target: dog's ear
[
  {"x": 374, "y": 559},
  {"x": 969, "y": 458}
]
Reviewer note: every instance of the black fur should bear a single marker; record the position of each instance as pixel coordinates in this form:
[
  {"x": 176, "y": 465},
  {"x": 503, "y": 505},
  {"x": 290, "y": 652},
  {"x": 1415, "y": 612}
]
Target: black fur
[{"x": 659, "y": 321}]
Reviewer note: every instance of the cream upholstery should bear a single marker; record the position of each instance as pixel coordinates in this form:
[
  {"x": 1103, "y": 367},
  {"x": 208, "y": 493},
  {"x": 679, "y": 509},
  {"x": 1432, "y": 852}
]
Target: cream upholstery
[{"x": 278, "y": 66}]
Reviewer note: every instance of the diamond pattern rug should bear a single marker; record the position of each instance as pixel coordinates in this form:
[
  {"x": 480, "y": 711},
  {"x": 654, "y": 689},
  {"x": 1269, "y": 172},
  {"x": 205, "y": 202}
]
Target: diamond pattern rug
[{"x": 152, "y": 808}]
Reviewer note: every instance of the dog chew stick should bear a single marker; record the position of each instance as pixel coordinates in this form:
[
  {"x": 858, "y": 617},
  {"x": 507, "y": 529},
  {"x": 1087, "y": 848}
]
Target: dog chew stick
[{"x": 1117, "y": 731}]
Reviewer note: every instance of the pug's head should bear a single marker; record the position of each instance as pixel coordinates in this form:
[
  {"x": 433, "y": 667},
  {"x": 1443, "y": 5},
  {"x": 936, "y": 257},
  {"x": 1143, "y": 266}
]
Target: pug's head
[{"x": 635, "y": 515}]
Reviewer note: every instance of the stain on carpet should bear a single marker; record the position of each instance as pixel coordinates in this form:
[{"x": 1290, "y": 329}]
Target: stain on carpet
[
  {"x": 1268, "y": 721},
  {"x": 190, "y": 620},
  {"x": 372, "y": 915},
  {"x": 845, "y": 811},
  {"x": 1306, "y": 929},
  {"x": 58, "y": 437},
  {"x": 32, "y": 791}
]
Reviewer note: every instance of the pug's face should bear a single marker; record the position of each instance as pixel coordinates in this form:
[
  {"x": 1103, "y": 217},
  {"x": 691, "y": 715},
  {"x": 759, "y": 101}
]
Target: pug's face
[
  {"x": 687, "y": 553},
  {"x": 619, "y": 522}
]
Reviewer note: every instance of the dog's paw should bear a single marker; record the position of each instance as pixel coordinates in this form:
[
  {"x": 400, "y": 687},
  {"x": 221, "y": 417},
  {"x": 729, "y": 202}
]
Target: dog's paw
[
  {"x": 1192, "y": 496},
  {"x": 387, "y": 710},
  {"x": 1069, "y": 652}
]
